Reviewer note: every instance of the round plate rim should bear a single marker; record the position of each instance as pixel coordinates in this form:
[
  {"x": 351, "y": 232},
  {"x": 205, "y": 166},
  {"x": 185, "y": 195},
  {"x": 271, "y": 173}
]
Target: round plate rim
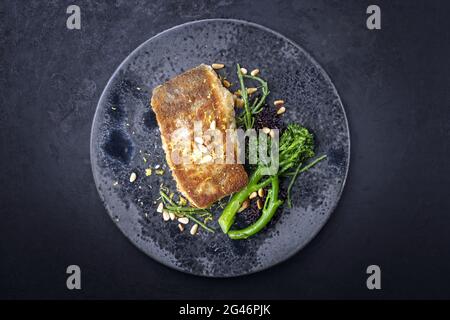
[{"x": 256, "y": 25}]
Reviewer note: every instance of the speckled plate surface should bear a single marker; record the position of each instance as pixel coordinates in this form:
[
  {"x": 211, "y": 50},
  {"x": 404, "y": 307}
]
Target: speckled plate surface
[{"x": 125, "y": 131}]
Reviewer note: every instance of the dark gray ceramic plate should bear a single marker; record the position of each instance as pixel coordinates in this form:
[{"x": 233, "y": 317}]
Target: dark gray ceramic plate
[{"x": 124, "y": 132}]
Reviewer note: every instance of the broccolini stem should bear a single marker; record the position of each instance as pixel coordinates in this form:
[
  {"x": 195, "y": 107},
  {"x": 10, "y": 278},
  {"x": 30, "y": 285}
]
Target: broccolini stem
[
  {"x": 296, "y": 173},
  {"x": 270, "y": 207},
  {"x": 291, "y": 184},
  {"x": 227, "y": 217}
]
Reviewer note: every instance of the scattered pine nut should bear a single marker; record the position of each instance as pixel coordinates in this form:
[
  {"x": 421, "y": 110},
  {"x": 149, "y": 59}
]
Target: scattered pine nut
[
  {"x": 265, "y": 130},
  {"x": 181, "y": 227},
  {"x": 194, "y": 229},
  {"x": 202, "y": 148},
  {"x": 217, "y": 66},
  {"x": 172, "y": 215},
  {"x": 133, "y": 177},
  {"x": 166, "y": 215},
  {"x": 199, "y": 140},
  {"x": 207, "y": 159},
  {"x": 207, "y": 138},
  {"x": 278, "y": 102},
  {"x": 243, "y": 71},
  {"x": 239, "y": 103},
  {"x": 244, "y": 206},
  {"x": 251, "y": 90},
  {"x": 259, "y": 204},
  {"x": 226, "y": 83},
  {"x": 261, "y": 192},
  {"x": 183, "y": 220},
  {"x": 254, "y": 72},
  {"x": 281, "y": 110},
  {"x": 160, "y": 208},
  {"x": 272, "y": 133},
  {"x": 253, "y": 195}
]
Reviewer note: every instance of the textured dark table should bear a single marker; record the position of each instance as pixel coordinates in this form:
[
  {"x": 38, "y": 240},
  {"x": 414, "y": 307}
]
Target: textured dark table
[{"x": 395, "y": 210}]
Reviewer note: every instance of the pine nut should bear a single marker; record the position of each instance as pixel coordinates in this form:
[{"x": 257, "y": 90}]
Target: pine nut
[
  {"x": 251, "y": 90},
  {"x": 272, "y": 133},
  {"x": 181, "y": 227},
  {"x": 243, "y": 71},
  {"x": 254, "y": 72},
  {"x": 281, "y": 110},
  {"x": 259, "y": 204},
  {"x": 217, "y": 66},
  {"x": 172, "y": 215},
  {"x": 278, "y": 102},
  {"x": 226, "y": 83},
  {"x": 239, "y": 103},
  {"x": 207, "y": 138},
  {"x": 166, "y": 215},
  {"x": 194, "y": 229},
  {"x": 261, "y": 193},
  {"x": 160, "y": 208},
  {"x": 183, "y": 220},
  {"x": 133, "y": 177},
  {"x": 207, "y": 159},
  {"x": 199, "y": 140},
  {"x": 253, "y": 195},
  {"x": 244, "y": 206},
  {"x": 265, "y": 130},
  {"x": 202, "y": 148}
]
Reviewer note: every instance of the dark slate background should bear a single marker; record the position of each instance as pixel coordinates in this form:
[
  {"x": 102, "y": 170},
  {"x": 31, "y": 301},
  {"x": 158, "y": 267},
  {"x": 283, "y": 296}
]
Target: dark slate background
[{"x": 395, "y": 210}]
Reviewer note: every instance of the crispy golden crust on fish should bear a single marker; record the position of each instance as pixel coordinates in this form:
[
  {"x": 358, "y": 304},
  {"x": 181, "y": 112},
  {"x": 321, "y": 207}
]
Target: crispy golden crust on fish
[{"x": 197, "y": 95}]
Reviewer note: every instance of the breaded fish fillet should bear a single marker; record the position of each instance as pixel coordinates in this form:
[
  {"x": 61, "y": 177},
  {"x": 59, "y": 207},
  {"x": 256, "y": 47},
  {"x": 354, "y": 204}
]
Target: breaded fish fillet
[{"x": 197, "y": 95}]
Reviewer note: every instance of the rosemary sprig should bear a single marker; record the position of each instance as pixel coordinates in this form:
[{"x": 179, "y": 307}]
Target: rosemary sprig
[
  {"x": 190, "y": 216},
  {"x": 184, "y": 209}
]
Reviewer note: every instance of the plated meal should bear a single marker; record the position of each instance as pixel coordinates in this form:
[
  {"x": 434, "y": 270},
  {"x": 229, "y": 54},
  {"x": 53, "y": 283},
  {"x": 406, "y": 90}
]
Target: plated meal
[
  {"x": 197, "y": 119},
  {"x": 219, "y": 148}
]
